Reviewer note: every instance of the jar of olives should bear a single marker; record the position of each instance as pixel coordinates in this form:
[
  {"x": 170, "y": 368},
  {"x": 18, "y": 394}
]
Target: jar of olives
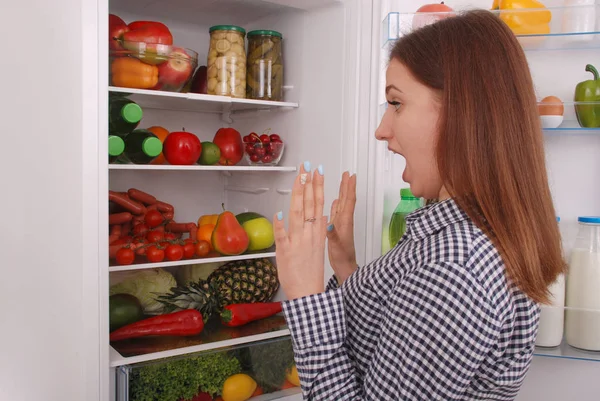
[
  {"x": 265, "y": 66},
  {"x": 226, "y": 64}
]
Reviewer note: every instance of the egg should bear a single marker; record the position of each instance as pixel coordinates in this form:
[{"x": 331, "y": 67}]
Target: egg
[{"x": 551, "y": 106}]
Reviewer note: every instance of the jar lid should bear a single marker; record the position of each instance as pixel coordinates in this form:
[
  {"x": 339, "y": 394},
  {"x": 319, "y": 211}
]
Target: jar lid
[
  {"x": 265, "y": 33},
  {"x": 589, "y": 219},
  {"x": 227, "y": 28}
]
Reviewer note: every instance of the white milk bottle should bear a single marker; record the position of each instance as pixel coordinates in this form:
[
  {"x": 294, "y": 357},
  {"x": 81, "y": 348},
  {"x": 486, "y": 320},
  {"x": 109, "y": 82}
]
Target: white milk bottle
[
  {"x": 583, "y": 287},
  {"x": 552, "y": 317}
]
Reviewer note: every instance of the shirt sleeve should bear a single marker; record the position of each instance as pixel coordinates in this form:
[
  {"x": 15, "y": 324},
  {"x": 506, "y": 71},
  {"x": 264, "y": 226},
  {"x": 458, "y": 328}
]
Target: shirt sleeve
[
  {"x": 437, "y": 330},
  {"x": 332, "y": 284}
]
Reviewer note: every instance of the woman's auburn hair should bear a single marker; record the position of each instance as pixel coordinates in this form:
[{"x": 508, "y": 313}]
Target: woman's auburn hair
[{"x": 490, "y": 151}]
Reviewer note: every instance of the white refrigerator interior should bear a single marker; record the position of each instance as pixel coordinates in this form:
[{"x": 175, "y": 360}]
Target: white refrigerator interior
[{"x": 334, "y": 57}]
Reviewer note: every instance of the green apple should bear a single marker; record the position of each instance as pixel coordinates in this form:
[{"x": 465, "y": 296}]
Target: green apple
[{"x": 259, "y": 230}]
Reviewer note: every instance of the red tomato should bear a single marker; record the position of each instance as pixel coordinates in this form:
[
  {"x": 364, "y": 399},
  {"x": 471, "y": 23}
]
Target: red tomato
[
  {"x": 189, "y": 250},
  {"x": 170, "y": 236},
  {"x": 154, "y": 218},
  {"x": 140, "y": 229},
  {"x": 174, "y": 252},
  {"x": 230, "y": 143},
  {"x": 154, "y": 236},
  {"x": 182, "y": 148},
  {"x": 155, "y": 254},
  {"x": 125, "y": 256},
  {"x": 140, "y": 246},
  {"x": 202, "y": 248}
]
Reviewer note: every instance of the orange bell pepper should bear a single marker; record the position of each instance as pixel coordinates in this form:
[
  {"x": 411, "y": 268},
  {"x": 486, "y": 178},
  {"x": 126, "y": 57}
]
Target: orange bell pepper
[
  {"x": 129, "y": 72},
  {"x": 208, "y": 219},
  {"x": 524, "y": 17}
]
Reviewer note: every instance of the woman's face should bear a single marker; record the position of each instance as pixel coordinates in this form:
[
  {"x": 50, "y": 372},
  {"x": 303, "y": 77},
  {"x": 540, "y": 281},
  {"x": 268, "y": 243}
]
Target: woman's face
[{"x": 410, "y": 128}]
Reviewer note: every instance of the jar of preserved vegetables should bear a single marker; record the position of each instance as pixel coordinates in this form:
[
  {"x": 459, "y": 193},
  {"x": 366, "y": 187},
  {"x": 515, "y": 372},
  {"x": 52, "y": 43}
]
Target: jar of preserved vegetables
[
  {"x": 265, "y": 66},
  {"x": 226, "y": 64}
]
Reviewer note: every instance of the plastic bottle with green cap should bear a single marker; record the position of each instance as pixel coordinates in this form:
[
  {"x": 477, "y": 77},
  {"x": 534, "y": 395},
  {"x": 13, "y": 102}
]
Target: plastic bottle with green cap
[
  {"x": 408, "y": 203},
  {"x": 141, "y": 147},
  {"x": 124, "y": 115},
  {"x": 116, "y": 146}
]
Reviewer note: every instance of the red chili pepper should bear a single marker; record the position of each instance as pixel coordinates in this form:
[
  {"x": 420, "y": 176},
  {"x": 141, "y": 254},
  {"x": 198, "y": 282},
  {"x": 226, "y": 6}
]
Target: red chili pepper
[
  {"x": 240, "y": 314},
  {"x": 183, "y": 323}
]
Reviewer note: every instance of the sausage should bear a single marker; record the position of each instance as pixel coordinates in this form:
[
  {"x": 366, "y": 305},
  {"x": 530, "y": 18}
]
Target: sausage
[
  {"x": 126, "y": 229},
  {"x": 115, "y": 233},
  {"x": 124, "y": 201},
  {"x": 168, "y": 215},
  {"x": 119, "y": 218},
  {"x": 141, "y": 196},
  {"x": 178, "y": 227},
  {"x": 165, "y": 207},
  {"x": 193, "y": 229},
  {"x": 152, "y": 207}
]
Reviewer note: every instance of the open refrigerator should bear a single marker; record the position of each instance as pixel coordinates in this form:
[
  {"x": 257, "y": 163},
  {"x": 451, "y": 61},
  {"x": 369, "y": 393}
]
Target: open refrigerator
[{"x": 334, "y": 55}]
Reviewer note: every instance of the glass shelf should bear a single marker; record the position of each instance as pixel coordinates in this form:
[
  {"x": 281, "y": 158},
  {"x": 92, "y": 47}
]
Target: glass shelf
[
  {"x": 565, "y": 351},
  {"x": 562, "y": 35}
]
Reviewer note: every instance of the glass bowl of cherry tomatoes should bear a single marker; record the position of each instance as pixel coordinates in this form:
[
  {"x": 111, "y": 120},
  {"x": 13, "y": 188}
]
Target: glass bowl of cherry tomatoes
[{"x": 263, "y": 150}]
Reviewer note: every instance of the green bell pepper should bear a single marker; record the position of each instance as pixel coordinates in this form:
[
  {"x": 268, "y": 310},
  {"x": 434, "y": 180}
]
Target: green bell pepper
[{"x": 588, "y": 115}]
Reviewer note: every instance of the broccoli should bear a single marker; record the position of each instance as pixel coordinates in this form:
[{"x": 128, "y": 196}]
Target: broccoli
[{"x": 182, "y": 379}]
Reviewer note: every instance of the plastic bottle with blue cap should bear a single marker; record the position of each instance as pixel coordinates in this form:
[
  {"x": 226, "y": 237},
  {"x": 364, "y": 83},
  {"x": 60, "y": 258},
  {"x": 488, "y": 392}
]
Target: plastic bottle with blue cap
[{"x": 582, "y": 316}]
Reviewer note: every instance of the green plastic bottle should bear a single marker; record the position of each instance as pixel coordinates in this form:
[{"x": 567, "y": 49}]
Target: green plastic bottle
[
  {"x": 408, "y": 203},
  {"x": 116, "y": 146},
  {"x": 141, "y": 147},
  {"x": 124, "y": 115}
]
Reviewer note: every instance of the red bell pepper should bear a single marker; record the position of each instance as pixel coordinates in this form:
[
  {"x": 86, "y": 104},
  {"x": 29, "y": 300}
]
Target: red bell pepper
[
  {"x": 183, "y": 323},
  {"x": 116, "y": 28},
  {"x": 240, "y": 314},
  {"x": 148, "y": 32}
]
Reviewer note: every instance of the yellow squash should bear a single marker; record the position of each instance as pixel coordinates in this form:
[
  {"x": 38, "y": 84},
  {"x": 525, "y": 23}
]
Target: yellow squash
[{"x": 524, "y": 17}]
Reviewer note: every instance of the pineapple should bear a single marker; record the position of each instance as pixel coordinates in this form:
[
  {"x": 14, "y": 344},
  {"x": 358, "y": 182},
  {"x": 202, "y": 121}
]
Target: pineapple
[{"x": 243, "y": 281}]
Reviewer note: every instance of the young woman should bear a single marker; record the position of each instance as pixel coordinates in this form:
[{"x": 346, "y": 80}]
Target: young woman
[{"x": 451, "y": 313}]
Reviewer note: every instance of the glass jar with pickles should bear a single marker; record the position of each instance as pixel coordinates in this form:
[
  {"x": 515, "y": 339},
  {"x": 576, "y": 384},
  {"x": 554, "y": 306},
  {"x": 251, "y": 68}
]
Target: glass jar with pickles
[
  {"x": 265, "y": 66},
  {"x": 226, "y": 64}
]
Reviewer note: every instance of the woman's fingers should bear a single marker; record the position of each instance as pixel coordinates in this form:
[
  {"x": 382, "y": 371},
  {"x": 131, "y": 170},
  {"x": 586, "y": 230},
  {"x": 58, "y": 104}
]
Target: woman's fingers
[
  {"x": 309, "y": 199},
  {"x": 297, "y": 204},
  {"x": 319, "y": 191},
  {"x": 350, "y": 200},
  {"x": 334, "y": 211},
  {"x": 281, "y": 238}
]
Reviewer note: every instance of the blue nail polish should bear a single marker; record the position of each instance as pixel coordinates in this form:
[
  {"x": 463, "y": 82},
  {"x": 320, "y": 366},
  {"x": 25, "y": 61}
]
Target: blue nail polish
[
  {"x": 307, "y": 166},
  {"x": 330, "y": 228},
  {"x": 320, "y": 169},
  {"x": 279, "y": 216}
]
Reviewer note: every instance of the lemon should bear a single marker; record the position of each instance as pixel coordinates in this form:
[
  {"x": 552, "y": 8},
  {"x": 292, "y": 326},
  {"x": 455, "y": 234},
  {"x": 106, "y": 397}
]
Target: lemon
[
  {"x": 210, "y": 155},
  {"x": 238, "y": 387},
  {"x": 292, "y": 376}
]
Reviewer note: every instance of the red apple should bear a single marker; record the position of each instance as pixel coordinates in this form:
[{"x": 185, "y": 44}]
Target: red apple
[
  {"x": 430, "y": 13},
  {"x": 176, "y": 71},
  {"x": 116, "y": 28},
  {"x": 199, "y": 82},
  {"x": 232, "y": 148}
]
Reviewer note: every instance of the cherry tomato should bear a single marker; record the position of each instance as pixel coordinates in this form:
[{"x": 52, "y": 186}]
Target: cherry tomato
[
  {"x": 154, "y": 236},
  {"x": 155, "y": 254},
  {"x": 274, "y": 137},
  {"x": 174, "y": 252},
  {"x": 264, "y": 138},
  {"x": 125, "y": 256},
  {"x": 140, "y": 229},
  {"x": 154, "y": 218},
  {"x": 170, "y": 236},
  {"x": 140, "y": 246},
  {"x": 189, "y": 250},
  {"x": 202, "y": 248}
]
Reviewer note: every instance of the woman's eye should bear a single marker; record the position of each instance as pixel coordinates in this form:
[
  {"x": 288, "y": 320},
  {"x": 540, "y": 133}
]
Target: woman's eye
[{"x": 395, "y": 104}]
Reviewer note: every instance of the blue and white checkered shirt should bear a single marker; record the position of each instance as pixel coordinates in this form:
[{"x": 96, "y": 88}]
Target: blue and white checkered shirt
[{"x": 433, "y": 319}]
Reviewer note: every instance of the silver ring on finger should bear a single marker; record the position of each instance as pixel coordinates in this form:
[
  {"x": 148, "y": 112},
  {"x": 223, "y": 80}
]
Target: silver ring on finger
[{"x": 310, "y": 220}]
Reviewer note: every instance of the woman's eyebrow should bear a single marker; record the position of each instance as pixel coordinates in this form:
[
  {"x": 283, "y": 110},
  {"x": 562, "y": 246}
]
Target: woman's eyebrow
[{"x": 387, "y": 89}]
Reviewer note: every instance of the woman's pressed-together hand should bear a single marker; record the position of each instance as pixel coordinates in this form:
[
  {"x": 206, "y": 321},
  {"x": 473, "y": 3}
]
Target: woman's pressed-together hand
[{"x": 300, "y": 250}]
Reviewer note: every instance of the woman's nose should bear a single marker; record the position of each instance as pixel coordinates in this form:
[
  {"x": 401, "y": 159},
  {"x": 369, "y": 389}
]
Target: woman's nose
[{"x": 383, "y": 131}]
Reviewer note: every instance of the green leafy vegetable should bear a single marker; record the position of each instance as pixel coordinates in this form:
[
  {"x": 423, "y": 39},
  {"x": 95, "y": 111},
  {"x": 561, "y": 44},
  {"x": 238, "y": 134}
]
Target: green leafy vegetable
[
  {"x": 182, "y": 378},
  {"x": 144, "y": 285}
]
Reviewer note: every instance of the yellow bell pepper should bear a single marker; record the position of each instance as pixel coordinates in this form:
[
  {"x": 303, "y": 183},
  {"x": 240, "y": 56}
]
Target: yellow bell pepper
[
  {"x": 536, "y": 21},
  {"x": 208, "y": 219}
]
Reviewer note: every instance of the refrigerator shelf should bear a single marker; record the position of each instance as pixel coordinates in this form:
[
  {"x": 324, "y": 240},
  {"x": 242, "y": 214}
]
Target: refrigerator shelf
[
  {"x": 183, "y": 262},
  {"x": 214, "y": 336},
  {"x": 565, "y": 351},
  {"x": 194, "y": 102},
  {"x": 562, "y": 35},
  {"x": 231, "y": 169}
]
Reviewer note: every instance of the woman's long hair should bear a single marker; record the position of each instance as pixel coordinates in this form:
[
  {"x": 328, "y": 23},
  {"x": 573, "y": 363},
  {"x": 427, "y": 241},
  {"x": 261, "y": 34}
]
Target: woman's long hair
[{"x": 490, "y": 151}]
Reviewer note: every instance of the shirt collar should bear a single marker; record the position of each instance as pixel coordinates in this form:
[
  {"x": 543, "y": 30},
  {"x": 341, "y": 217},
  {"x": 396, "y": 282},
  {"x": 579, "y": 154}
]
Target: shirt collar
[{"x": 433, "y": 218}]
